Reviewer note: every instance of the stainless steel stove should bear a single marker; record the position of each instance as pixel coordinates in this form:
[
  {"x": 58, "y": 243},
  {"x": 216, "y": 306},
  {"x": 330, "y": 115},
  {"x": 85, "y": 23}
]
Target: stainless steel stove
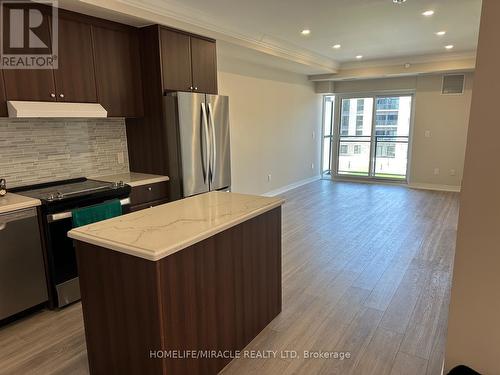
[
  {"x": 58, "y": 199},
  {"x": 62, "y": 190}
]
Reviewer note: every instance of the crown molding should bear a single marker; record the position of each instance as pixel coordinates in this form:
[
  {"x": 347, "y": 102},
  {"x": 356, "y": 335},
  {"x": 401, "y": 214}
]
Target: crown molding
[
  {"x": 416, "y": 59},
  {"x": 399, "y": 70},
  {"x": 167, "y": 13}
]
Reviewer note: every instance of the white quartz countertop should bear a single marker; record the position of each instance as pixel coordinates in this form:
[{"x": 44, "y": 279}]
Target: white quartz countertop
[
  {"x": 13, "y": 202},
  {"x": 133, "y": 179},
  {"x": 160, "y": 231}
]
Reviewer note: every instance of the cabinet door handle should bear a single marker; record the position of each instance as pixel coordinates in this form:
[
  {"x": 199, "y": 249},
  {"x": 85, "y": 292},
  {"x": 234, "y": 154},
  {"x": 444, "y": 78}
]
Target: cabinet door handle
[
  {"x": 61, "y": 95},
  {"x": 150, "y": 188},
  {"x": 195, "y": 88},
  {"x": 52, "y": 95},
  {"x": 191, "y": 87}
]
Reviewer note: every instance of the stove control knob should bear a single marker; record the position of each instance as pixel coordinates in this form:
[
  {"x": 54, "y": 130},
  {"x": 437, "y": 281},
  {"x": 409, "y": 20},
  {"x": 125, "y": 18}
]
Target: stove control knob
[
  {"x": 59, "y": 195},
  {"x": 50, "y": 197},
  {"x": 118, "y": 184}
]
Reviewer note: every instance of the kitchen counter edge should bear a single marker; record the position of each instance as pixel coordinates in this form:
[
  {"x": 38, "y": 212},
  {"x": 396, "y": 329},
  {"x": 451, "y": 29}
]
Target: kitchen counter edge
[
  {"x": 14, "y": 202},
  {"x": 162, "y": 253}
]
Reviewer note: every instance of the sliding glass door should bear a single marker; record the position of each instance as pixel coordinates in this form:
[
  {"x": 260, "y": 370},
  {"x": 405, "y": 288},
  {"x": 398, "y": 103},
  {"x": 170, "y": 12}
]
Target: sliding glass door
[
  {"x": 372, "y": 136},
  {"x": 355, "y": 134},
  {"x": 392, "y": 135}
]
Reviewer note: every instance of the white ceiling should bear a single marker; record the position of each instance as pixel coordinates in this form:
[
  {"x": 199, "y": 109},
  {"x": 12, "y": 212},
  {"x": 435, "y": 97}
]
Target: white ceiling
[{"x": 376, "y": 29}]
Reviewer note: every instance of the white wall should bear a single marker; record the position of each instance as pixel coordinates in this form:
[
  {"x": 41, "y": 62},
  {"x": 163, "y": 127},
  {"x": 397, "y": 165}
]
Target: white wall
[
  {"x": 474, "y": 324},
  {"x": 273, "y": 115},
  {"x": 445, "y": 116}
]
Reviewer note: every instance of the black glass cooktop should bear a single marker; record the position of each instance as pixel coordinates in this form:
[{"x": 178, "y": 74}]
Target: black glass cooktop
[{"x": 68, "y": 189}]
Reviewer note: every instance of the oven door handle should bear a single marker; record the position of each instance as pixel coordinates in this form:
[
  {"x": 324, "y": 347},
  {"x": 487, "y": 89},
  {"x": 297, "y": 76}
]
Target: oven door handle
[{"x": 67, "y": 214}]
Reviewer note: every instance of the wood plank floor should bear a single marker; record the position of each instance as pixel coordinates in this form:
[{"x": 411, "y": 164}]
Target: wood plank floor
[{"x": 366, "y": 270}]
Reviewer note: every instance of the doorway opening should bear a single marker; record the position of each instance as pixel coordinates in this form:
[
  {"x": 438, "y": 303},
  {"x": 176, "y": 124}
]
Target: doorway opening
[{"x": 367, "y": 136}]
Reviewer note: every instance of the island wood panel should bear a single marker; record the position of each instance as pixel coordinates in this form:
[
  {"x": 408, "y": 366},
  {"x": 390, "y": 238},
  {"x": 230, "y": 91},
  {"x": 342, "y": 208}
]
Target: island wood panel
[
  {"x": 215, "y": 295},
  {"x": 120, "y": 311}
]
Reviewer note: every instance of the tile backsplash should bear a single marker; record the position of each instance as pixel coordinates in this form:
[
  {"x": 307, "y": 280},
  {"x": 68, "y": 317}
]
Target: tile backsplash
[{"x": 33, "y": 151}]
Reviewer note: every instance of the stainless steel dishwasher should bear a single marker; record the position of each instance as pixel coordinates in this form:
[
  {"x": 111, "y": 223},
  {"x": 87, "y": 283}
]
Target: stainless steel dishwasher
[{"x": 22, "y": 273}]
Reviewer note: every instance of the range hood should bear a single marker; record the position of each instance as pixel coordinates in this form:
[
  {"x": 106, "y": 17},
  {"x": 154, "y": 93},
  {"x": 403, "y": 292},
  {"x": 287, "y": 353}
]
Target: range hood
[{"x": 24, "y": 109}]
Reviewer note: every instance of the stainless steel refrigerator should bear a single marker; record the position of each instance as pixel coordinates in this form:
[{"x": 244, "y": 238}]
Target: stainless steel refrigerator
[{"x": 199, "y": 146}]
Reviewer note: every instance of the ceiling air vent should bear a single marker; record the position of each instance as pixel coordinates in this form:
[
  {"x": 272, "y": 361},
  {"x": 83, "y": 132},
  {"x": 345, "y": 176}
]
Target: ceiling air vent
[{"x": 453, "y": 84}]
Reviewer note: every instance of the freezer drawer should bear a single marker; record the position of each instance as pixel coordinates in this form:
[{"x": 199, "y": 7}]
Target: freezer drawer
[{"x": 22, "y": 273}]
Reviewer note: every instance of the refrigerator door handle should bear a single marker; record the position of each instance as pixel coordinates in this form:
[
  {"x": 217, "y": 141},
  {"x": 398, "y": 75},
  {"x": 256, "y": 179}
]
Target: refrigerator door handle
[
  {"x": 204, "y": 119},
  {"x": 214, "y": 143}
]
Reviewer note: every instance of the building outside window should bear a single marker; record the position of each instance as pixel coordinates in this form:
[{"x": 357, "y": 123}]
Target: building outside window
[
  {"x": 359, "y": 124},
  {"x": 360, "y": 106},
  {"x": 344, "y": 124}
]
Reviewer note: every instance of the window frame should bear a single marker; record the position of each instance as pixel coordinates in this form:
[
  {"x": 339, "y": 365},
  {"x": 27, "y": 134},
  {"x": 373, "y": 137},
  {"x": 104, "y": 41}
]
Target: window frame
[{"x": 336, "y": 131}]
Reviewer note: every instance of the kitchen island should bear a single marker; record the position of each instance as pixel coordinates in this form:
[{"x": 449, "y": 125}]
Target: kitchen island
[{"x": 182, "y": 287}]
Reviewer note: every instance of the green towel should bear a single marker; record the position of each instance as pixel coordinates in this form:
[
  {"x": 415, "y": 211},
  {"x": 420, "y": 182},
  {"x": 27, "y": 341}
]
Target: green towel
[{"x": 99, "y": 212}]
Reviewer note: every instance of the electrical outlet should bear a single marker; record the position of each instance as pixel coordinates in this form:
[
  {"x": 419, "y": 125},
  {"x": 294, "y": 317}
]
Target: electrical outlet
[
  {"x": 436, "y": 171},
  {"x": 121, "y": 158},
  {"x": 312, "y": 165},
  {"x": 269, "y": 178},
  {"x": 427, "y": 134},
  {"x": 453, "y": 172}
]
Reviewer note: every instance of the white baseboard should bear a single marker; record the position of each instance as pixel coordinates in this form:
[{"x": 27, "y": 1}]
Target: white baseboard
[
  {"x": 452, "y": 188},
  {"x": 284, "y": 189}
]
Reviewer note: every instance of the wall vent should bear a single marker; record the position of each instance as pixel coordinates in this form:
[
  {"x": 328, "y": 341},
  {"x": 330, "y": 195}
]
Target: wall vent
[{"x": 453, "y": 84}]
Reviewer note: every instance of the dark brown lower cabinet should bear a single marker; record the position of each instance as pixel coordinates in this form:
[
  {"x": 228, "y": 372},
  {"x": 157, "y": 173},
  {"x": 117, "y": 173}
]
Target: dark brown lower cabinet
[
  {"x": 144, "y": 317},
  {"x": 150, "y": 195}
]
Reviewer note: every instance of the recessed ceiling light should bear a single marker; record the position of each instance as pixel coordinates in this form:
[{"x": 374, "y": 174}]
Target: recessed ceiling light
[
  {"x": 399, "y": 1},
  {"x": 359, "y": 57},
  {"x": 336, "y": 46},
  {"x": 449, "y": 46},
  {"x": 428, "y": 13},
  {"x": 305, "y": 32},
  {"x": 441, "y": 33}
]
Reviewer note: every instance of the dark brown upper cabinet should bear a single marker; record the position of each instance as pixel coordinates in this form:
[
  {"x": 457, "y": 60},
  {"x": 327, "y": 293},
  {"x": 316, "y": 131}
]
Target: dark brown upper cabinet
[
  {"x": 31, "y": 84},
  {"x": 204, "y": 65},
  {"x": 98, "y": 61},
  {"x": 118, "y": 71},
  {"x": 75, "y": 77},
  {"x": 189, "y": 62},
  {"x": 3, "y": 99},
  {"x": 176, "y": 60}
]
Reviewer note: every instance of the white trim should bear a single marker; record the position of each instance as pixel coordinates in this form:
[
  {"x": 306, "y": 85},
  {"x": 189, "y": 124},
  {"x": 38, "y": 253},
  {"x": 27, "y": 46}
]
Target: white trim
[
  {"x": 286, "y": 188},
  {"x": 372, "y": 181},
  {"x": 419, "y": 186},
  {"x": 437, "y": 187}
]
